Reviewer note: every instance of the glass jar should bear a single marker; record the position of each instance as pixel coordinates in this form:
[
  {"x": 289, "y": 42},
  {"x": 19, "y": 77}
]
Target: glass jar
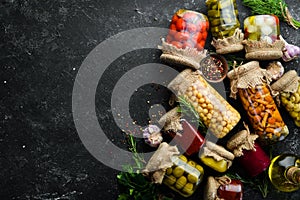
[
  {"x": 184, "y": 176},
  {"x": 188, "y": 29},
  {"x": 223, "y": 17},
  {"x": 262, "y": 27},
  {"x": 184, "y": 134},
  {"x": 216, "y": 157},
  {"x": 248, "y": 152},
  {"x": 248, "y": 81},
  {"x": 223, "y": 188},
  {"x": 288, "y": 88},
  {"x": 214, "y": 111}
]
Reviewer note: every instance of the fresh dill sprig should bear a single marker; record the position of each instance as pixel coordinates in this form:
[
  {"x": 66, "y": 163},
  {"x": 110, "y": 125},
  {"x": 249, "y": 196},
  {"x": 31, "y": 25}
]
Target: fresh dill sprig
[{"x": 275, "y": 7}]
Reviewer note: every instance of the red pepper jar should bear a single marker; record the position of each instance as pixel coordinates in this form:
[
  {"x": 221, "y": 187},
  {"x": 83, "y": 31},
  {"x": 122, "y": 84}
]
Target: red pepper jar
[
  {"x": 183, "y": 133},
  {"x": 223, "y": 188},
  {"x": 250, "y": 155},
  {"x": 186, "y": 38}
]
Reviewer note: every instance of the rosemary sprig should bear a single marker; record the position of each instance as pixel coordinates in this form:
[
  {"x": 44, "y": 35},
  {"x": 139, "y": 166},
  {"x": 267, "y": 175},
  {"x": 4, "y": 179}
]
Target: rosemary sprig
[
  {"x": 230, "y": 60},
  {"x": 261, "y": 184},
  {"x": 275, "y": 7},
  {"x": 188, "y": 109}
]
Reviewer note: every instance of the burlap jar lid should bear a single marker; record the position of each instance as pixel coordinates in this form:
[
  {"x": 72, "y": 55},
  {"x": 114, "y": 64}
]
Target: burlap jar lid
[
  {"x": 230, "y": 44},
  {"x": 212, "y": 186},
  {"x": 262, "y": 50},
  {"x": 287, "y": 83},
  {"x": 171, "y": 120},
  {"x": 245, "y": 76},
  {"x": 189, "y": 57}
]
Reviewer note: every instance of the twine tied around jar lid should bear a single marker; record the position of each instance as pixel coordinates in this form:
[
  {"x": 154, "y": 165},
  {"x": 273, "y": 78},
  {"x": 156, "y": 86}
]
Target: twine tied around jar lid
[
  {"x": 213, "y": 183},
  {"x": 287, "y": 83},
  {"x": 245, "y": 76},
  {"x": 243, "y": 140}
]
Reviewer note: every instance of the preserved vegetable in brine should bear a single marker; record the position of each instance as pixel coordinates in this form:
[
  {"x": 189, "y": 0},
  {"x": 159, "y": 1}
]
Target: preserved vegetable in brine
[
  {"x": 214, "y": 111},
  {"x": 186, "y": 39},
  {"x": 225, "y": 26},
  {"x": 249, "y": 82}
]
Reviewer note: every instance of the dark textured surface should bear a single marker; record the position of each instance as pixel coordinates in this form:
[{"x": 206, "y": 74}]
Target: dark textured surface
[{"x": 43, "y": 44}]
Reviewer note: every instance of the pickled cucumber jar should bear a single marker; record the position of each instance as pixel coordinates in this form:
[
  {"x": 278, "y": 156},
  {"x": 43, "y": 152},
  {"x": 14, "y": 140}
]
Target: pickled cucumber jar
[
  {"x": 262, "y": 37},
  {"x": 186, "y": 39},
  {"x": 184, "y": 176},
  {"x": 287, "y": 88},
  {"x": 248, "y": 81},
  {"x": 223, "y": 17},
  {"x": 214, "y": 111},
  {"x": 262, "y": 27}
]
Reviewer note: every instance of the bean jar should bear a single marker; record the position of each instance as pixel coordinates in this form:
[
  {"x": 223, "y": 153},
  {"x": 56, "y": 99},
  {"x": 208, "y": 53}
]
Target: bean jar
[
  {"x": 262, "y": 37},
  {"x": 223, "y": 188},
  {"x": 214, "y": 111},
  {"x": 249, "y": 82},
  {"x": 184, "y": 176},
  {"x": 184, "y": 133},
  {"x": 186, "y": 39},
  {"x": 287, "y": 88},
  {"x": 248, "y": 152},
  {"x": 225, "y": 26}
]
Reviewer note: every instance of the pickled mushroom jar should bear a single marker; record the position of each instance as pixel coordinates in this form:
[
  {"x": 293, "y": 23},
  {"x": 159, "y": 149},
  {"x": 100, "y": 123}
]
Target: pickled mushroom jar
[
  {"x": 184, "y": 176},
  {"x": 184, "y": 133},
  {"x": 186, "y": 39},
  {"x": 225, "y": 26},
  {"x": 248, "y": 152},
  {"x": 249, "y": 81},
  {"x": 262, "y": 37},
  {"x": 214, "y": 111},
  {"x": 287, "y": 88}
]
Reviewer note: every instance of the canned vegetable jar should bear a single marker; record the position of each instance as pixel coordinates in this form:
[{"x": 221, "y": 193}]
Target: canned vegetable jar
[
  {"x": 186, "y": 39},
  {"x": 214, "y": 111},
  {"x": 249, "y": 82},
  {"x": 184, "y": 176}
]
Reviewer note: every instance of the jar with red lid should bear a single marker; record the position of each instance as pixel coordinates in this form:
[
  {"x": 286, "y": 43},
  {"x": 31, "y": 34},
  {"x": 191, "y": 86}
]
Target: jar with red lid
[
  {"x": 186, "y": 39},
  {"x": 262, "y": 40},
  {"x": 248, "y": 152},
  {"x": 183, "y": 133},
  {"x": 223, "y": 188}
]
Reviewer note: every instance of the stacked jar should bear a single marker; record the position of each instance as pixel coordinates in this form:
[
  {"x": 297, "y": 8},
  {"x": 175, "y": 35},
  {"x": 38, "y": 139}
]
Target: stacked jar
[{"x": 186, "y": 38}]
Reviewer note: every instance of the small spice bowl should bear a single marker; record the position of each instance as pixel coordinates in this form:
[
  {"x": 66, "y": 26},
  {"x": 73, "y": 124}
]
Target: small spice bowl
[{"x": 214, "y": 68}]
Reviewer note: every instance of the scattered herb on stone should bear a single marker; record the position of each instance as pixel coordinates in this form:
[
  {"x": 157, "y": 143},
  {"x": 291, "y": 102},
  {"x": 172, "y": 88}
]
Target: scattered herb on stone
[
  {"x": 188, "y": 110},
  {"x": 275, "y": 7},
  {"x": 135, "y": 185}
]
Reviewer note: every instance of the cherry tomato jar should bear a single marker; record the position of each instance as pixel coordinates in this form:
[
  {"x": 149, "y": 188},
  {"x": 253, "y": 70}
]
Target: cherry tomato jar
[
  {"x": 186, "y": 39},
  {"x": 188, "y": 29},
  {"x": 262, "y": 37},
  {"x": 184, "y": 176}
]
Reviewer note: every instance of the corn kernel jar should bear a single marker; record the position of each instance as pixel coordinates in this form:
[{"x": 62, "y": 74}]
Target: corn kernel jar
[
  {"x": 214, "y": 111},
  {"x": 186, "y": 39},
  {"x": 249, "y": 82},
  {"x": 288, "y": 89},
  {"x": 262, "y": 34},
  {"x": 184, "y": 176},
  {"x": 225, "y": 26}
]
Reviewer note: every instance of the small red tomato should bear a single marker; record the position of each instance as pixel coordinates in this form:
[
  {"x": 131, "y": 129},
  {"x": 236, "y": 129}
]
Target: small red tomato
[
  {"x": 199, "y": 47},
  {"x": 173, "y": 27},
  {"x": 202, "y": 43},
  {"x": 181, "y": 36},
  {"x": 177, "y": 44},
  {"x": 174, "y": 19},
  {"x": 187, "y": 44},
  {"x": 203, "y": 27},
  {"x": 191, "y": 28},
  {"x": 180, "y": 24},
  {"x": 204, "y": 35},
  {"x": 199, "y": 37},
  {"x": 169, "y": 38}
]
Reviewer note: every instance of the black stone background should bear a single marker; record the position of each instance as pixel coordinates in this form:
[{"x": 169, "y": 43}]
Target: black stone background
[{"x": 43, "y": 44}]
